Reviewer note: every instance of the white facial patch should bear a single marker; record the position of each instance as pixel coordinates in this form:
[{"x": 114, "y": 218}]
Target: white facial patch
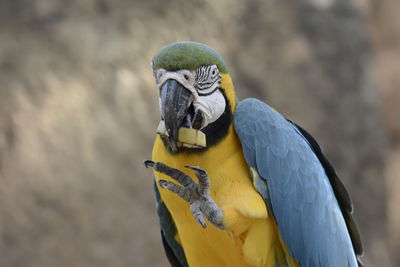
[
  {"x": 203, "y": 84},
  {"x": 184, "y": 77},
  {"x": 212, "y": 107}
]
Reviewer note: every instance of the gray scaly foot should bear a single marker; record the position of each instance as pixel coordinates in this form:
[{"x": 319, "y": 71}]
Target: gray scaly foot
[{"x": 198, "y": 195}]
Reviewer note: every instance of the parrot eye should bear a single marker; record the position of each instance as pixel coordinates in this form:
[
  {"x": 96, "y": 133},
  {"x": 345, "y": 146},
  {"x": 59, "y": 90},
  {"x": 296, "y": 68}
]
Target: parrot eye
[{"x": 206, "y": 77}]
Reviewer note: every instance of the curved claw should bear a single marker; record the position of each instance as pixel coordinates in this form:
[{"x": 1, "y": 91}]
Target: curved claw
[
  {"x": 149, "y": 163},
  {"x": 198, "y": 215},
  {"x": 163, "y": 183},
  {"x": 196, "y": 168}
]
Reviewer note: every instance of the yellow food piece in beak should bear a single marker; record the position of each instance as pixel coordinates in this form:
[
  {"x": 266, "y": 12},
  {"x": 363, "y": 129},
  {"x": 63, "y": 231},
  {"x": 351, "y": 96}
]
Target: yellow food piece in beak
[{"x": 187, "y": 137}]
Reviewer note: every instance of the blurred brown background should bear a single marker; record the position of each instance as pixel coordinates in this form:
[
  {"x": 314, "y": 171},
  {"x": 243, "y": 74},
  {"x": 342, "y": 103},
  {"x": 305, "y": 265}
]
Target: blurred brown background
[{"x": 78, "y": 112}]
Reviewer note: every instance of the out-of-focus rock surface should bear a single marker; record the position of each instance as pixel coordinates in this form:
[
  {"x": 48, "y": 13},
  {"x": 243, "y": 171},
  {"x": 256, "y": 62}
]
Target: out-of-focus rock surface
[
  {"x": 78, "y": 112},
  {"x": 385, "y": 28}
]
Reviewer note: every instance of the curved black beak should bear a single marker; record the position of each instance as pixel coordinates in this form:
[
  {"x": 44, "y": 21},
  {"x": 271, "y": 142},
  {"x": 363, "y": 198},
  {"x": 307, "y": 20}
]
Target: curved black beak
[{"x": 175, "y": 102}]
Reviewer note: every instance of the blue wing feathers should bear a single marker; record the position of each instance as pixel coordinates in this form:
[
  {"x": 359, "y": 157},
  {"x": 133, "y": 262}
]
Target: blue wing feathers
[
  {"x": 300, "y": 194},
  {"x": 340, "y": 191}
]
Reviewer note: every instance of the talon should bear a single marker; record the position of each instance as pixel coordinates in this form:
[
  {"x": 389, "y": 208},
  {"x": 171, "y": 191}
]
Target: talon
[
  {"x": 162, "y": 183},
  {"x": 196, "y": 168},
  {"x": 149, "y": 163},
  {"x": 201, "y": 221}
]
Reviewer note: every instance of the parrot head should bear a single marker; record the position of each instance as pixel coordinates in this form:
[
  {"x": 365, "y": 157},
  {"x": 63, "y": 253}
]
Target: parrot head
[{"x": 196, "y": 95}]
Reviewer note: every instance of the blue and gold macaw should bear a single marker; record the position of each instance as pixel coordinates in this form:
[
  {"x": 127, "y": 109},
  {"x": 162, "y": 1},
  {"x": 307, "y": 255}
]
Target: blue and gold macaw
[{"x": 264, "y": 194}]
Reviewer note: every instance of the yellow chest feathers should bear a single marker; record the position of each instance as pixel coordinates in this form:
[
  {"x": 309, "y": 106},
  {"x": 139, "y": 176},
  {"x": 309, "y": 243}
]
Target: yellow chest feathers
[{"x": 250, "y": 238}]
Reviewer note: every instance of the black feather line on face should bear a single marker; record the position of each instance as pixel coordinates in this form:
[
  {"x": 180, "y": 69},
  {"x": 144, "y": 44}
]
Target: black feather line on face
[
  {"x": 214, "y": 132},
  {"x": 209, "y": 93},
  {"x": 206, "y": 85}
]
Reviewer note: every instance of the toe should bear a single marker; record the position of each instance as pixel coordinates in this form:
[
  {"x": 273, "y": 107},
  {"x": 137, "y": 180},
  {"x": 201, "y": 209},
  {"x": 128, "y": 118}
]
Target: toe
[
  {"x": 148, "y": 163},
  {"x": 195, "y": 209},
  {"x": 181, "y": 191},
  {"x": 175, "y": 174}
]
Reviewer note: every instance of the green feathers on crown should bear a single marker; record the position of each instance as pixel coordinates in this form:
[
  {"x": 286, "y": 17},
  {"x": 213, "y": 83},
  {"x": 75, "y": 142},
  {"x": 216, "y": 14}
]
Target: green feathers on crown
[{"x": 187, "y": 55}]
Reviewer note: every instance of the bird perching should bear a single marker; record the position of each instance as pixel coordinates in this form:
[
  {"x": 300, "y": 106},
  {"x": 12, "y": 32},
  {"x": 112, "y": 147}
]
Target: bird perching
[{"x": 265, "y": 195}]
